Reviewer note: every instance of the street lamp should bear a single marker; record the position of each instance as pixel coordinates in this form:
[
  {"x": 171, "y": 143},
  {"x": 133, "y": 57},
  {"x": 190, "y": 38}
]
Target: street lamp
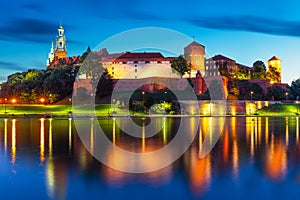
[
  {"x": 42, "y": 100},
  {"x": 286, "y": 96},
  {"x": 143, "y": 93},
  {"x": 251, "y": 93}
]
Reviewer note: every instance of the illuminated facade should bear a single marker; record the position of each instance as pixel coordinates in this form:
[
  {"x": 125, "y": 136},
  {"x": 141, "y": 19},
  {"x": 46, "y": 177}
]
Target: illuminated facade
[
  {"x": 60, "y": 48},
  {"x": 276, "y": 63},
  {"x": 194, "y": 54}
]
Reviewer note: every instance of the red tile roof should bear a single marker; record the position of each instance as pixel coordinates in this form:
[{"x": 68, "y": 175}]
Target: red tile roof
[
  {"x": 129, "y": 56},
  {"x": 274, "y": 58},
  {"x": 221, "y": 57}
]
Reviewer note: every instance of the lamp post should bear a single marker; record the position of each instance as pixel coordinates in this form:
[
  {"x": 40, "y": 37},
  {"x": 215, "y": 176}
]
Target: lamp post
[
  {"x": 143, "y": 93},
  {"x": 251, "y": 93},
  {"x": 286, "y": 96}
]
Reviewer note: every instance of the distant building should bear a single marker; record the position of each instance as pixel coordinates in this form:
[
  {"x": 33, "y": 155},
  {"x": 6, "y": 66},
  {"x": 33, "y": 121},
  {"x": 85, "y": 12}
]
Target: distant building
[
  {"x": 132, "y": 65},
  {"x": 220, "y": 65},
  {"x": 276, "y": 63},
  {"x": 60, "y": 48},
  {"x": 194, "y": 53}
]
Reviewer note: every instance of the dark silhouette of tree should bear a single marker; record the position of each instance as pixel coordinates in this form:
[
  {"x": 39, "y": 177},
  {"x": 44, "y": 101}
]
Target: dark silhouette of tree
[
  {"x": 259, "y": 70},
  {"x": 295, "y": 89}
]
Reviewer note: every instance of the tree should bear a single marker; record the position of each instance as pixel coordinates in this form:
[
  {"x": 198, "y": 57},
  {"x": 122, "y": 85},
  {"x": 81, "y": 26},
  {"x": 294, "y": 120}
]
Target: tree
[
  {"x": 277, "y": 92},
  {"x": 259, "y": 70},
  {"x": 295, "y": 89},
  {"x": 246, "y": 88},
  {"x": 242, "y": 74},
  {"x": 273, "y": 75},
  {"x": 180, "y": 66},
  {"x": 105, "y": 84}
]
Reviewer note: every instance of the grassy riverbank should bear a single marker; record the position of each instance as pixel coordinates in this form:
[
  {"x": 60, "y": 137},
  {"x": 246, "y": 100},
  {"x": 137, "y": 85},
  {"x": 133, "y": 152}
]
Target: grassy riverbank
[{"x": 280, "y": 110}]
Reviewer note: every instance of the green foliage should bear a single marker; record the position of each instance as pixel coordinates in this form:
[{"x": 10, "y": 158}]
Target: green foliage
[
  {"x": 180, "y": 66},
  {"x": 162, "y": 108},
  {"x": 246, "y": 88},
  {"x": 28, "y": 87},
  {"x": 276, "y": 92},
  {"x": 242, "y": 74},
  {"x": 280, "y": 109},
  {"x": 295, "y": 89},
  {"x": 259, "y": 70}
]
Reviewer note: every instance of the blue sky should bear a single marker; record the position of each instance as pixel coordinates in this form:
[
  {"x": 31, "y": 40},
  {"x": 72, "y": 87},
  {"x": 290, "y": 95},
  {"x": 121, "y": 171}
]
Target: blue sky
[{"x": 243, "y": 30}]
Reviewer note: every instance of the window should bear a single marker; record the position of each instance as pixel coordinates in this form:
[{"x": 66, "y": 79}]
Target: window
[
  {"x": 60, "y": 44},
  {"x": 124, "y": 62},
  {"x": 135, "y": 62},
  {"x": 112, "y": 68},
  {"x": 135, "y": 70},
  {"x": 147, "y": 61}
]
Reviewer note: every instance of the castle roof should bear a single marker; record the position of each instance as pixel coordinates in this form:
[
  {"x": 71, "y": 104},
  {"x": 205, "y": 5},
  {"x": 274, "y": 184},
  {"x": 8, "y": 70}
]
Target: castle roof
[
  {"x": 194, "y": 43},
  {"x": 130, "y": 56},
  {"x": 221, "y": 57},
  {"x": 274, "y": 58}
]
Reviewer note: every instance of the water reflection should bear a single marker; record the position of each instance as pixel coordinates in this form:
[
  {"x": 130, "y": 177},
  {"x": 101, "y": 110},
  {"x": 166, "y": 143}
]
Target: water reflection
[{"x": 268, "y": 146}]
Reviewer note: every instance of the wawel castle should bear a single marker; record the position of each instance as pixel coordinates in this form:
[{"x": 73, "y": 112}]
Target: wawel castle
[{"x": 137, "y": 67}]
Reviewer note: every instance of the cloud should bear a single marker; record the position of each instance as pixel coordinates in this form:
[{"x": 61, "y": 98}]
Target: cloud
[
  {"x": 29, "y": 30},
  {"x": 250, "y": 23},
  {"x": 10, "y": 66}
]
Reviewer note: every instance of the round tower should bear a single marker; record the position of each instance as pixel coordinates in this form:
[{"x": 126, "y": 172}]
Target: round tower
[{"x": 275, "y": 62}]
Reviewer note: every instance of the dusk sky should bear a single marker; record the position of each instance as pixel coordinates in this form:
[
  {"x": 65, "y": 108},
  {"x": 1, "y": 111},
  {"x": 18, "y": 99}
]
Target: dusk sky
[{"x": 242, "y": 30}]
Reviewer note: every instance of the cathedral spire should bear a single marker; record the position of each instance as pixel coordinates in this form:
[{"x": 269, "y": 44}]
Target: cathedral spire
[{"x": 60, "y": 50}]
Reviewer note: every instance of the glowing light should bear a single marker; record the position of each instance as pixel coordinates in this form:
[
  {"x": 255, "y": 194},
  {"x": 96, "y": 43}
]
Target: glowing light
[
  {"x": 50, "y": 137},
  {"x": 297, "y": 129},
  {"x": 114, "y": 130},
  {"x": 70, "y": 134},
  {"x": 5, "y": 135},
  {"x": 14, "y": 101},
  {"x": 13, "y": 142},
  {"x": 143, "y": 139},
  {"x": 92, "y": 136},
  {"x": 235, "y": 158},
  {"x": 42, "y": 100},
  {"x": 287, "y": 131},
  {"x": 42, "y": 140}
]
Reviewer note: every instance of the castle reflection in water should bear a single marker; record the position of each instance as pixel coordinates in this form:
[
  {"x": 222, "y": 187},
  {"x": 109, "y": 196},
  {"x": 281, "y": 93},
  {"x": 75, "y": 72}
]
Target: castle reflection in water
[{"x": 269, "y": 143}]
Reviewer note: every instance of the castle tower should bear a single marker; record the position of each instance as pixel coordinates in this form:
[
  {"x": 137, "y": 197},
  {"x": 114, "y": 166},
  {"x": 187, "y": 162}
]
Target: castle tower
[
  {"x": 51, "y": 56},
  {"x": 60, "y": 50},
  {"x": 194, "y": 53},
  {"x": 276, "y": 63}
]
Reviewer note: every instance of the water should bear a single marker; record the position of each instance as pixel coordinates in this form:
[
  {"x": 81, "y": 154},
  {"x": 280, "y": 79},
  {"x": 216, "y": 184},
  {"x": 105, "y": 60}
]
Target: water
[{"x": 255, "y": 157}]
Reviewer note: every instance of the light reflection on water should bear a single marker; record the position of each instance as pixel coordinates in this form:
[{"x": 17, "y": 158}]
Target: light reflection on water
[{"x": 253, "y": 153}]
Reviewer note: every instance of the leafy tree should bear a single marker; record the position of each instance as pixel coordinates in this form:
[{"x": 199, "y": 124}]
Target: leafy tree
[
  {"x": 180, "y": 66},
  {"x": 245, "y": 91},
  {"x": 259, "y": 70},
  {"x": 105, "y": 85},
  {"x": 242, "y": 74},
  {"x": 273, "y": 75},
  {"x": 295, "y": 89},
  {"x": 276, "y": 92}
]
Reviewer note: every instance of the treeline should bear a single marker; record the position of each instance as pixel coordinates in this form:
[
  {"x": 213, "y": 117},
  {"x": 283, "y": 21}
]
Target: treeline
[{"x": 30, "y": 87}]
